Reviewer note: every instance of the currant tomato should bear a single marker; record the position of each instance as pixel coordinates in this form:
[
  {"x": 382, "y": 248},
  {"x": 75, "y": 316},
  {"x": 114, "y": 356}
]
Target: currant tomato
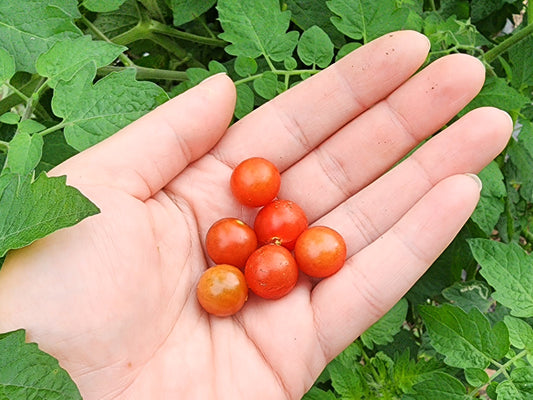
[
  {"x": 230, "y": 241},
  {"x": 320, "y": 251},
  {"x": 271, "y": 271},
  {"x": 280, "y": 222},
  {"x": 255, "y": 182},
  {"x": 222, "y": 290}
]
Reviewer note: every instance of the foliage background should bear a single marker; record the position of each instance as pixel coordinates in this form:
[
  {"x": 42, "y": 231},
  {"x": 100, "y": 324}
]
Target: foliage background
[{"x": 73, "y": 73}]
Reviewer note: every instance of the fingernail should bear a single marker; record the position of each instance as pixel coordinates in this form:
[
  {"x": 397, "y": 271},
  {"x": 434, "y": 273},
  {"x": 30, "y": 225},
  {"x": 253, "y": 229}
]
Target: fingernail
[
  {"x": 211, "y": 77},
  {"x": 476, "y": 179}
]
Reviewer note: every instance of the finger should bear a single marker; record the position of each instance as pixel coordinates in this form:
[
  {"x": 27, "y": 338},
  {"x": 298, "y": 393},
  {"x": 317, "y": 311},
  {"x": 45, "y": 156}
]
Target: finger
[
  {"x": 371, "y": 144},
  {"x": 468, "y": 145},
  {"x": 299, "y": 119},
  {"x": 374, "y": 279},
  {"x": 144, "y": 156}
]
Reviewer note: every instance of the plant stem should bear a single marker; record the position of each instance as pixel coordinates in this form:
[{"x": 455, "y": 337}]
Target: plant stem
[
  {"x": 495, "y": 52},
  {"x": 148, "y": 73},
  {"x": 17, "y": 92},
  {"x": 34, "y": 99},
  {"x": 53, "y": 129},
  {"x": 432, "y": 5},
  {"x": 158, "y": 27}
]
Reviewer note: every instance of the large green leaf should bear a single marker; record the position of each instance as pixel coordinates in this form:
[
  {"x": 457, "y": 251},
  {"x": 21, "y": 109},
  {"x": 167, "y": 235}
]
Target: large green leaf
[
  {"x": 24, "y": 154},
  {"x": 102, "y": 6},
  {"x": 28, "y": 28},
  {"x": 383, "y": 331},
  {"x": 256, "y": 28},
  {"x": 186, "y": 10},
  {"x": 93, "y": 112},
  {"x": 509, "y": 270},
  {"x": 492, "y": 200},
  {"x": 119, "y": 21},
  {"x": 439, "y": 386},
  {"x": 7, "y": 66},
  {"x": 28, "y": 373}
]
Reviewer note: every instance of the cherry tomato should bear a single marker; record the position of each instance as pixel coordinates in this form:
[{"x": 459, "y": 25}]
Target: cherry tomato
[
  {"x": 280, "y": 222},
  {"x": 271, "y": 271},
  {"x": 255, "y": 182},
  {"x": 320, "y": 251},
  {"x": 230, "y": 241},
  {"x": 222, "y": 290}
]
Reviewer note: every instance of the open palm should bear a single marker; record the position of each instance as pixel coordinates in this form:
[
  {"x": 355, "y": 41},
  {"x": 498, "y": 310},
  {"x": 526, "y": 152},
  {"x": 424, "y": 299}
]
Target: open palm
[{"x": 113, "y": 298}]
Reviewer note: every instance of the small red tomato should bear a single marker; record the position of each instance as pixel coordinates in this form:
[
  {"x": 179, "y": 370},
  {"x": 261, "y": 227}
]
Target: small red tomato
[
  {"x": 222, "y": 290},
  {"x": 320, "y": 251},
  {"x": 280, "y": 222},
  {"x": 230, "y": 241},
  {"x": 255, "y": 182},
  {"x": 271, "y": 271}
]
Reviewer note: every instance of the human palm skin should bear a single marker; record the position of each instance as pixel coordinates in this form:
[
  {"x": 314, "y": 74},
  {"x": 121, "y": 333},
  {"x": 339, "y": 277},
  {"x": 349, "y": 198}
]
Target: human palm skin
[{"x": 113, "y": 298}]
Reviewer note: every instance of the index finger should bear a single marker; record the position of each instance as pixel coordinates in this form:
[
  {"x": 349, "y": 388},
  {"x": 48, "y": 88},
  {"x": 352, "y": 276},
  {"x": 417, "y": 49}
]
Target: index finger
[{"x": 289, "y": 126}]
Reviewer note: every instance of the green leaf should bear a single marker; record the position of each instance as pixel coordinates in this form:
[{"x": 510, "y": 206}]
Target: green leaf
[
  {"x": 30, "y": 126},
  {"x": 439, "y": 386},
  {"x": 520, "y": 153},
  {"x": 466, "y": 340},
  {"x": 469, "y": 295},
  {"x": 245, "y": 100},
  {"x": 256, "y": 28},
  {"x": 497, "y": 93},
  {"x": 102, "y": 6},
  {"x": 91, "y": 114},
  {"x": 318, "y": 394},
  {"x": 476, "y": 376},
  {"x": 24, "y": 154},
  {"x": 519, "y": 387},
  {"x": 28, "y": 28},
  {"x": 520, "y": 333},
  {"x": 520, "y": 59},
  {"x": 509, "y": 270},
  {"x": 315, "y": 47},
  {"x": 66, "y": 57},
  {"x": 28, "y": 373},
  {"x": 116, "y": 22},
  {"x": 383, "y": 331},
  {"x": 492, "y": 200},
  {"x": 266, "y": 85},
  {"x": 245, "y": 66},
  {"x": 32, "y": 210},
  {"x": 55, "y": 151},
  {"x": 7, "y": 66},
  {"x": 187, "y": 10},
  {"x": 10, "y": 118},
  {"x": 347, "y": 382}
]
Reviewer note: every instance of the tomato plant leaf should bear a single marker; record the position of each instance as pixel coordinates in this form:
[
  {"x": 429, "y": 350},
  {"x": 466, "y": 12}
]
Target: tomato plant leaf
[
  {"x": 476, "y": 376},
  {"x": 245, "y": 100},
  {"x": 468, "y": 295},
  {"x": 520, "y": 59},
  {"x": 520, "y": 153},
  {"x": 245, "y": 66},
  {"x": 520, "y": 332},
  {"x": 24, "y": 154},
  {"x": 346, "y": 381},
  {"x": 492, "y": 200},
  {"x": 518, "y": 387},
  {"x": 256, "y": 28},
  {"x": 28, "y": 373},
  {"x": 31, "y": 210},
  {"x": 440, "y": 386},
  {"x": 466, "y": 340},
  {"x": 66, "y": 57},
  {"x": 383, "y": 331},
  {"x": 102, "y": 6},
  {"x": 90, "y": 114},
  {"x": 266, "y": 85},
  {"x": 185, "y": 11},
  {"x": 315, "y": 47},
  {"x": 7, "y": 66},
  {"x": 26, "y": 35},
  {"x": 318, "y": 394},
  {"x": 509, "y": 270},
  {"x": 119, "y": 21}
]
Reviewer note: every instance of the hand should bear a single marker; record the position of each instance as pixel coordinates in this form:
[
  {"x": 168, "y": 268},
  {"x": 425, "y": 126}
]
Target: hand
[{"x": 113, "y": 298}]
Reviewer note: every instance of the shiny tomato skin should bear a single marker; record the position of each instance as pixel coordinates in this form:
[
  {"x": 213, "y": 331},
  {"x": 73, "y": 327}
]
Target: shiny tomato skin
[
  {"x": 271, "y": 272},
  {"x": 320, "y": 251},
  {"x": 280, "y": 222},
  {"x": 255, "y": 182},
  {"x": 230, "y": 241},
  {"x": 222, "y": 290}
]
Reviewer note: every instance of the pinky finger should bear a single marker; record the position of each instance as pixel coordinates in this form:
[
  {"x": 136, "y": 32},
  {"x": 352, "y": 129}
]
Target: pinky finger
[{"x": 376, "y": 277}]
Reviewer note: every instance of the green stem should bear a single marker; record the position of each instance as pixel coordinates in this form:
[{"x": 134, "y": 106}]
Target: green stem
[
  {"x": 17, "y": 92},
  {"x": 158, "y": 27},
  {"x": 528, "y": 235},
  {"x": 432, "y": 5},
  {"x": 530, "y": 12},
  {"x": 148, "y": 73},
  {"x": 278, "y": 72},
  {"x": 34, "y": 99},
  {"x": 4, "y": 146},
  {"x": 495, "y": 52},
  {"x": 54, "y": 128}
]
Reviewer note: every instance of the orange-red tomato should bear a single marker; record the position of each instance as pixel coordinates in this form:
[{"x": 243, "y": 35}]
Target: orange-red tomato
[
  {"x": 320, "y": 251},
  {"x": 230, "y": 241},
  {"x": 222, "y": 290},
  {"x": 271, "y": 271},
  {"x": 255, "y": 182},
  {"x": 280, "y": 222}
]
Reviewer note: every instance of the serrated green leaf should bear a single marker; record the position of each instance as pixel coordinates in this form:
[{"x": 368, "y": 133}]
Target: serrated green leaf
[
  {"x": 439, "y": 386},
  {"x": 266, "y": 85},
  {"x": 318, "y": 394},
  {"x": 476, "y": 376},
  {"x": 187, "y": 10},
  {"x": 519, "y": 387},
  {"x": 66, "y": 57},
  {"x": 492, "y": 200},
  {"x": 245, "y": 100},
  {"x": 24, "y": 154},
  {"x": 32, "y": 210},
  {"x": 520, "y": 59},
  {"x": 28, "y": 373},
  {"x": 509, "y": 270},
  {"x": 383, "y": 331},
  {"x": 10, "y": 118},
  {"x": 520, "y": 332},
  {"x": 90, "y": 113},
  {"x": 7, "y": 66},
  {"x": 27, "y": 34},
  {"x": 520, "y": 153},
  {"x": 116, "y": 22},
  {"x": 466, "y": 340},
  {"x": 55, "y": 151},
  {"x": 255, "y": 28},
  {"x": 315, "y": 47},
  {"x": 468, "y": 295},
  {"x": 347, "y": 382},
  {"x": 245, "y": 66},
  {"x": 102, "y": 6}
]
